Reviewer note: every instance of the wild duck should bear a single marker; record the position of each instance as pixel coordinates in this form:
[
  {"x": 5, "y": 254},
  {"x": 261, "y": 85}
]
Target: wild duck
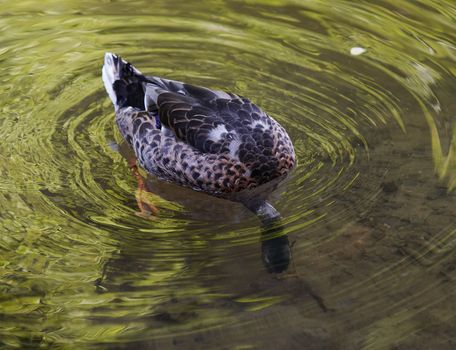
[{"x": 211, "y": 141}]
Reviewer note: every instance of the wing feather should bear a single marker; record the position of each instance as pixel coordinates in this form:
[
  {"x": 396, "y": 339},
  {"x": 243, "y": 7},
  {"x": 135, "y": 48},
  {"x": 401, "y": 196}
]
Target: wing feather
[{"x": 206, "y": 119}]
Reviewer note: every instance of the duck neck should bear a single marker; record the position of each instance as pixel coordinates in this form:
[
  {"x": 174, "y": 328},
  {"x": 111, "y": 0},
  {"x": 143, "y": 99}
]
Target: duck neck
[
  {"x": 275, "y": 247},
  {"x": 264, "y": 210}
]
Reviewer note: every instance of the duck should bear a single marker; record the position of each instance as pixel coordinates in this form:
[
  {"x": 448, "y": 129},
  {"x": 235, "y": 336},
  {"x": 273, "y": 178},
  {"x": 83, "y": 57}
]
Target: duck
[{"x": 211, "y": 141}]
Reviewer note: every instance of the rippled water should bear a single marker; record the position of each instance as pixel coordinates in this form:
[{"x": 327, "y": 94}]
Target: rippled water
[{"x": 369, "y": 212}]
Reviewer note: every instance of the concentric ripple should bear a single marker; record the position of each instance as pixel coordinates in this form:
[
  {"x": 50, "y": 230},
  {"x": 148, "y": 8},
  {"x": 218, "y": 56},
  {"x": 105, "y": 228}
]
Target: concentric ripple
[{"x": 368, "y": 213}]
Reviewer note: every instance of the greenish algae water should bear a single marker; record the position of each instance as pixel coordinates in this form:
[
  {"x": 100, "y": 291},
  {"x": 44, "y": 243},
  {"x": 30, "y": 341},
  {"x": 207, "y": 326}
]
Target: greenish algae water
[{"x": 369, "y": 212}]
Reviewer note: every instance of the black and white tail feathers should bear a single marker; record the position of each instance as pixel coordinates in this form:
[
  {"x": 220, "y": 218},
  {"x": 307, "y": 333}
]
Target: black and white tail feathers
[{"x": 123, "y": 82}]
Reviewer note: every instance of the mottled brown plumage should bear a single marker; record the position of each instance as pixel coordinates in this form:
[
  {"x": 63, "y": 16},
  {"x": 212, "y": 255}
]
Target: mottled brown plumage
[{"x": 211, "y": 141}]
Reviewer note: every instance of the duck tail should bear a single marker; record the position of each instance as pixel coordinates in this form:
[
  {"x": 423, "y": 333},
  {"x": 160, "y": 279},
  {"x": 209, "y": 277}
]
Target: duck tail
[{"x": 123, "y": 82}]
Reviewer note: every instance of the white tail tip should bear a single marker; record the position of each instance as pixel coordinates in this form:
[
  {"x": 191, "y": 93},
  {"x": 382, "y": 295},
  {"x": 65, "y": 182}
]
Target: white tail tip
[{"x": 110, "y": 75}]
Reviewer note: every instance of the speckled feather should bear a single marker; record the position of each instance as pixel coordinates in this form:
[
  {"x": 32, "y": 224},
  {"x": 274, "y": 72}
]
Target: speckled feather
[{"x": 208, "y": 140}]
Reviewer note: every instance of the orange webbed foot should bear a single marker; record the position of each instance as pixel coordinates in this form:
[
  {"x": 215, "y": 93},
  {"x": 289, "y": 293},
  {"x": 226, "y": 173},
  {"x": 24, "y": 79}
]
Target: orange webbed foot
[{"x": 143, "y": 195}]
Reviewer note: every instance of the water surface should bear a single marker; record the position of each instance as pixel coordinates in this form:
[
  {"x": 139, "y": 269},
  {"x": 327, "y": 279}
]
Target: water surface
[{"x": 369, "y": 212}]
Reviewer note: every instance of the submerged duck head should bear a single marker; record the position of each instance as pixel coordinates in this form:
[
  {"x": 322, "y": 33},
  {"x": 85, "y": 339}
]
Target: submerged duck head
[{"x": 276, "y": 254}]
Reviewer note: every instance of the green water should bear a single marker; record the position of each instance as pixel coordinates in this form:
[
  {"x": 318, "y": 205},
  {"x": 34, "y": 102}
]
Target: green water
[{"x": 369, "y": 211}]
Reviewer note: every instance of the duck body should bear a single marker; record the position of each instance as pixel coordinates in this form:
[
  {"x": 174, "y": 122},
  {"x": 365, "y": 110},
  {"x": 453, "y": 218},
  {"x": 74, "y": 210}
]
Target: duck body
[{"x": 211, "y": 141}]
